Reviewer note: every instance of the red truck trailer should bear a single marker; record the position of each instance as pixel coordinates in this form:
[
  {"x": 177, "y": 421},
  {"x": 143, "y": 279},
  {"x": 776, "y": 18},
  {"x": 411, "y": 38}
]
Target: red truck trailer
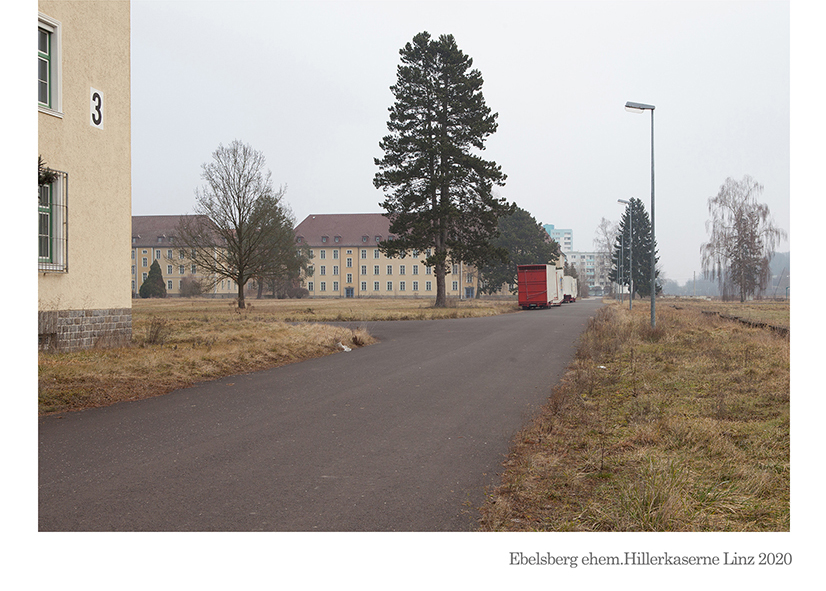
[{"x": 539, "y": 286}]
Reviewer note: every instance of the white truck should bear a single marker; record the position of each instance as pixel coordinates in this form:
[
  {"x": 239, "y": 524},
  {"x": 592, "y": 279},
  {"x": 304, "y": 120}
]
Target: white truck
[{"x": 569, "y": 289}]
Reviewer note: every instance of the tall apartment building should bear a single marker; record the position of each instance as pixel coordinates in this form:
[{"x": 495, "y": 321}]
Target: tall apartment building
[
  {"x": 565, "y": 238},
  {"x": 84, "y": 211},
  {"x": 153, "y": 239},
  {"x": 347, "y": 262},
  {"x": 593, "y": 268}
]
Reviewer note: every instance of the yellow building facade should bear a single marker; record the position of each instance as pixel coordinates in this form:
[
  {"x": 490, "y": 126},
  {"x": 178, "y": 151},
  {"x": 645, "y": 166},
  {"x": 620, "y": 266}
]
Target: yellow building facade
[
  {"x": 153, "y": 239},
  {"x": 347, "y": 263},
  {"x": 84, "y": 136}
]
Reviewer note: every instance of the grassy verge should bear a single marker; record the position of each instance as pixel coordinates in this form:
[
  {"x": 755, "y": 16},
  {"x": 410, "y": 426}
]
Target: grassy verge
[
  {"x": 682, "y": 428},
  {"x": 178, "y": 342}
]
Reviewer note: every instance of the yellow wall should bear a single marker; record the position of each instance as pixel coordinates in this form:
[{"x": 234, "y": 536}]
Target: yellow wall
[
  {"x": 94, "y": 53},
  {"x": 415, "y": 272},
  {"x": 144, "y": 256}
]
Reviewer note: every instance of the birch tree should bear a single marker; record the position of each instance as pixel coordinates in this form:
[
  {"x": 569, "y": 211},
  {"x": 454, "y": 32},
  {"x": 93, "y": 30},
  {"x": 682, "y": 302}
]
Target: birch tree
[{"x": 742, "y": 239}]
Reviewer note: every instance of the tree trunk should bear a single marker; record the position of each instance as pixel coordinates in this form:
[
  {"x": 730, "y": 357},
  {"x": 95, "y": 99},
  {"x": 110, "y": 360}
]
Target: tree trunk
[
  {"x": 241, "y": 303},
  {"x": 441, "y": 295}
]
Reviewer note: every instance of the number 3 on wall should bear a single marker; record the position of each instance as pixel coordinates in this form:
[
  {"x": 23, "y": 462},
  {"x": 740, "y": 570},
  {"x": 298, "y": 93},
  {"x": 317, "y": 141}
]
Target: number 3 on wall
[{"x": 96, "y": 109}]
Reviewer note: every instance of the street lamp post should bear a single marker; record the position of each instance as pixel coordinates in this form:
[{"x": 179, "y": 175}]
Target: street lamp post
[
  {"x": 621, "y": 267},
  {"x": 639, "y": 108},
  {"x": 630, "y": 253}
]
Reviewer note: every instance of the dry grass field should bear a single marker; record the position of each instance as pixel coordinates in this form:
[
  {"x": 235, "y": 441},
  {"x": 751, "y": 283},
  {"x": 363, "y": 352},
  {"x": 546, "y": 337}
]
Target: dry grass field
[
  {"x": 771, "y": 312},
  {"x": 178, "y": 342},
  {"x": 683, "y": 428}
]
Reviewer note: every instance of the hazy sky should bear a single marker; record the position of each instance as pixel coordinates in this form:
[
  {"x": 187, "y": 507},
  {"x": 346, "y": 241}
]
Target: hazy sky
[{"x": 307, "y": 83}]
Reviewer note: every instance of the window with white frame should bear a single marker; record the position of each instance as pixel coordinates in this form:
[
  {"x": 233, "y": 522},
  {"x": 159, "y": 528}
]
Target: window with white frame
[
  {"x": 389, "y": 286},
  {"x": 363, "y": 286},
  {"x": 335, "y": 285},
  {"x": 310, "y": 286},
  {"x": 49, "y": 95},
  {"x": 349, "y": 277},
  {"x": 428, "y": 286},
  {"x": 415, "y": 286},
  {"x": 375, "y": 286}
]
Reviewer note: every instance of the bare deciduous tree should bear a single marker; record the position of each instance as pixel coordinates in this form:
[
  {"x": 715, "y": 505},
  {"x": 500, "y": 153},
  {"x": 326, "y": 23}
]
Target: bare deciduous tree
[
  {"x": 742, "y": 238},
  {"x": 240, "y": 224},
  {"x": 606, "y": 235}
]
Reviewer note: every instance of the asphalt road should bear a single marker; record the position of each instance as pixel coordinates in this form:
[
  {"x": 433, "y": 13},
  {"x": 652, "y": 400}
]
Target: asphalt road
[{"x": 403, "y": 435}]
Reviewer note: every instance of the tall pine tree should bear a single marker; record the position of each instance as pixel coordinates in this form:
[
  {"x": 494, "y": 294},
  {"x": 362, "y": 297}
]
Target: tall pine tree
[
  {"x": 632, "y": 252},
  {"x": 438, "y": 190}
]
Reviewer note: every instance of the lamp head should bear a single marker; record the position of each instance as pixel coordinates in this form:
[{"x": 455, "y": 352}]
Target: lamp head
[{"x": 638, "y": 107}]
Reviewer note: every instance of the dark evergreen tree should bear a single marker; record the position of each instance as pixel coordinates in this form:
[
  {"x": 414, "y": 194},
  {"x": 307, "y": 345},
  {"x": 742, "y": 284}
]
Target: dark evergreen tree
[
  {"x": 438, "y": 190},
  {"x": 154, "y": 285},
  {"x": 282, "y": 260},
  {"x": 632, "y": 252},
  {"x": 526, "y": 242}
]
